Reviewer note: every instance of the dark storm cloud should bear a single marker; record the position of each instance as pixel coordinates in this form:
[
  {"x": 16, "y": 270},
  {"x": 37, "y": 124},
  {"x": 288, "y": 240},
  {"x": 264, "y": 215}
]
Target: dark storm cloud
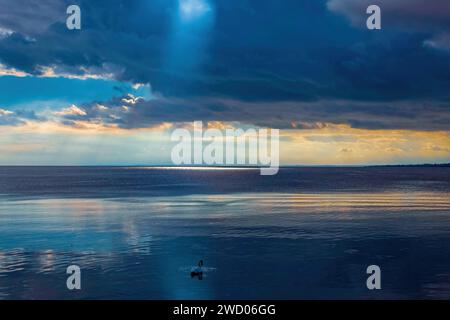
[
  {"x": 130, "y": 112},
  {"x": 258, "y": 61},
  {"x": 423, "y": 15},
  {"x": 30, "y": 17},
  {"x": 430, "y": 18}
]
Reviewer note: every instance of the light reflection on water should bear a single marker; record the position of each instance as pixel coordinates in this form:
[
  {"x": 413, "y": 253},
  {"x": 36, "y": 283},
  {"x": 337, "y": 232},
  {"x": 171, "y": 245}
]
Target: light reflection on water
[{"x": 258, "y": 245}]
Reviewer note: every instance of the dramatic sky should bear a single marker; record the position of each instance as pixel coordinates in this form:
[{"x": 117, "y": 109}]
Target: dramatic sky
[{"x": 112, "y": 92}]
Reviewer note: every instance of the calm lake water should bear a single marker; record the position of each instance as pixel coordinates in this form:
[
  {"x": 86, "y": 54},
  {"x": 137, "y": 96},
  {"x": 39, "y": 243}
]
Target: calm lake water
[{"x": 307, "y": 233}]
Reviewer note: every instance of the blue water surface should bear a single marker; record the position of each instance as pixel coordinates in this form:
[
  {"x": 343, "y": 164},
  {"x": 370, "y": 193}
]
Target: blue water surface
[{"x": 306, "y": 233}]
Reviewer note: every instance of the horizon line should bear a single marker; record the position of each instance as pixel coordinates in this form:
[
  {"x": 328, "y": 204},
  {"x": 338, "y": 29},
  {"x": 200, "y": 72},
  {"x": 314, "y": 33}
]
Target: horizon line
[{"x": 233, "y": 167}]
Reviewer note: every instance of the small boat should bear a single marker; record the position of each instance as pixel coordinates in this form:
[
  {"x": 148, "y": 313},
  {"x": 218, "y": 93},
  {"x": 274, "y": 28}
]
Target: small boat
[{"x": 198, "y": 270}]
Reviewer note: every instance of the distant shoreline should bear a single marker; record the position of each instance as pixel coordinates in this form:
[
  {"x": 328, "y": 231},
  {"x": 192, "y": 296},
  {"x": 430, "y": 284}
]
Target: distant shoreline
[{"x": 440, "y": 165}]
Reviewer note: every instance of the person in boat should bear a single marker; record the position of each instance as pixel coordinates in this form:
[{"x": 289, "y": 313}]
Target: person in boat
[{"x": 198, "y": 270}]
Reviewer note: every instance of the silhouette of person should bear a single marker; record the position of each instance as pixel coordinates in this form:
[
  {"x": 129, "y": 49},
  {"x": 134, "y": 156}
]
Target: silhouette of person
[{"x": 198, "y": 271}]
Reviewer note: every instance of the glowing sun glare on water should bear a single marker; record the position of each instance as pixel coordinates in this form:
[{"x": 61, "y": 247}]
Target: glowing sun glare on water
[{"x": 190, "y": 9}]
